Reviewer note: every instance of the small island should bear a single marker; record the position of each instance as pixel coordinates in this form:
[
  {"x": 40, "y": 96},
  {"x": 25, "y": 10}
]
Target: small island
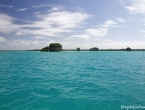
[
  {"x": 53, "y": 47},
  {"x": 78, "y": 49},
  {"x": 128, "y": 49},
  {"x": 94, "y": 49}
]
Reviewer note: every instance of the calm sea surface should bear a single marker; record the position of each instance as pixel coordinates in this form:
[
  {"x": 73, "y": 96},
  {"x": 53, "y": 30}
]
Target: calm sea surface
[{"x": 71, "y": 80}]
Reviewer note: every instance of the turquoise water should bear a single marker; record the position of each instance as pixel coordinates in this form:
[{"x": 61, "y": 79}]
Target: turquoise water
[{"x": 71, "y": 80}]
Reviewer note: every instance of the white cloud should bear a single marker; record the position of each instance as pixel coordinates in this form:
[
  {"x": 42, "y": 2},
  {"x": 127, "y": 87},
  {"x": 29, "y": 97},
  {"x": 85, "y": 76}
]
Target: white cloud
[
  {"x": 97, "y": 32},
  {"x": 6, "y": 6},
  {"x": 36, "y": 12},
  {"x": 82, "y": 36},
  {"x": 18, "y": 33},
  {"x": 20, "y": 42},
  {"x": 102, "y": 30},
  {"x": 121, "y": 20},
  {"x": 36, "y": 6},
  {"x": 41, "y": 5},
  {"x": 7, "y": 25},
  {"x": 53, "y": 23},
  {"x": 142, "y": 31},
  {"x": 2, "y": 39},
  {"x": 136, "y": 6},
  {"x": 45, "y": 32},
  {"x": 38, "y": 37},
  {"x": 64, "y": 19},
  {"x": 56, "y": 8},
  {"x": 119, "y": 45},
  {"x": 109, "y": 23},
  {"x": 23, "y": 9},
  {"x": 49, "y": 24}
]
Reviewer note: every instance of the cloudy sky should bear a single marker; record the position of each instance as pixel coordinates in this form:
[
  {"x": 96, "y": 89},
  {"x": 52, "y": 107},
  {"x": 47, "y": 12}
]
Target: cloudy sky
[{"x": 34, "y": 24}]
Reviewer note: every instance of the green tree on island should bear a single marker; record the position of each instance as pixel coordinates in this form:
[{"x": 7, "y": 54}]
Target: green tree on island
[
  {"x": 128, "y": 49},
  {"x": 78, "y": 49},
  {"x": 45, "y": 48},
  {"x": 94, "y": 49}
]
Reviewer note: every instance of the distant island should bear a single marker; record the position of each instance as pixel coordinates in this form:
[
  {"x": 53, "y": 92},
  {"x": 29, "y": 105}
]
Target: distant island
[
  {"x": 53, "y": 47},
  {"x": 94, "y": 49},
  {"x": 128, "y": 49},
  {"x": 57, "y": 47}
]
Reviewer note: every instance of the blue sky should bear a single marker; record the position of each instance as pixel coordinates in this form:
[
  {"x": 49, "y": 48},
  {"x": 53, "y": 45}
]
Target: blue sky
[{"x": 104, "y": 24}]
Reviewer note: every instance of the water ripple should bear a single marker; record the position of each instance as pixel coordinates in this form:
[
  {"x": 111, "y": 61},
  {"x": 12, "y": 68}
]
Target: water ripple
[{"x": 71, "y": 80}]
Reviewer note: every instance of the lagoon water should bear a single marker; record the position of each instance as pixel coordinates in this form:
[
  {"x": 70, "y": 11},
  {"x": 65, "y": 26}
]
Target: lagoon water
[{"x": 71, "y": 80}]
